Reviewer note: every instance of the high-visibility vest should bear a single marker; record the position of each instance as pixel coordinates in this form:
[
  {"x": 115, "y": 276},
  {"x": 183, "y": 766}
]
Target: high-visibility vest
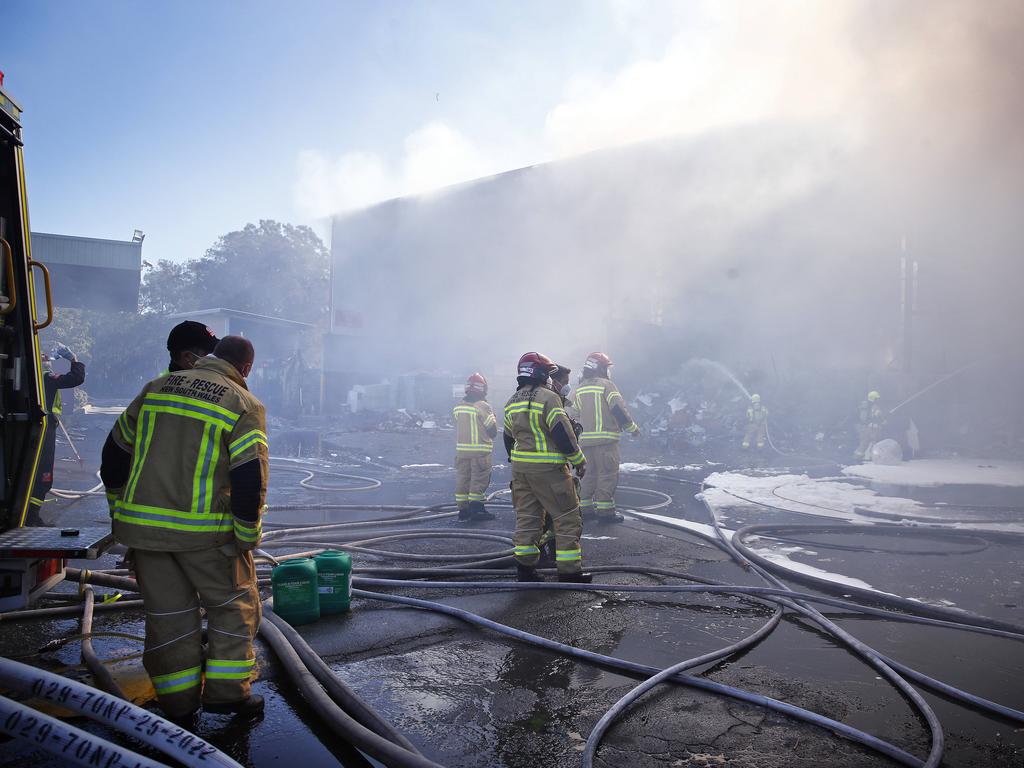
[
  {"x": 530, "y": 416},
  {"x": 594, "y": 400},
  {"x": 185, "y": 432},
  {"x": 471, "y": 422}
]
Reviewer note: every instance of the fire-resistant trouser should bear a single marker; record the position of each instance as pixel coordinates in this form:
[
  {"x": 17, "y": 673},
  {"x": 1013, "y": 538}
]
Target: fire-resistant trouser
[
  {"x": 174, "y": 585},
  {"x": 472, "y": 476},
  {"x": 551, "y": 491},
  {"x": 44, "y": 474},
  {"x": 869, "y": 434},
  {"x": 755, "y": 431},
  {"x": 597, "y": 488}
]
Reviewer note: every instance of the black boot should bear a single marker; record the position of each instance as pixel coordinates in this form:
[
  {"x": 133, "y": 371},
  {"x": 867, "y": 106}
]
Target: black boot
[
  {"x": 548, "y": 554},
  {"x": 251, "y": 706},
  {"x": 614, "y": 517},
  {"x": 576, "y": 578},
  {"x": 527, "y": 573},
  {"x": 465, "y": 515},
  {"x": 188, "y": 722},
  {"x": 479, "y": 511}
]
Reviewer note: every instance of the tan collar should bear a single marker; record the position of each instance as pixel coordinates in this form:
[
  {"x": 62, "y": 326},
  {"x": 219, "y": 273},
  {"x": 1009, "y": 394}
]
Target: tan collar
[{"x": 223, "y": 367}]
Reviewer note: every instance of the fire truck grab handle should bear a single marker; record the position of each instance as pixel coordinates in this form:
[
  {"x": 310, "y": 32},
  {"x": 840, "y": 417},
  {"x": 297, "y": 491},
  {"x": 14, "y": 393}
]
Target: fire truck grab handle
[
  {"x": 12, "y": 289},
  {"x": 49, "y": 294}
]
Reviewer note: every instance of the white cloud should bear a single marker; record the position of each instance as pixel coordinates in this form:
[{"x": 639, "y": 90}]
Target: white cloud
[
  {"x": 432, "y": 157},
  {"x": 726, "y": 64}
]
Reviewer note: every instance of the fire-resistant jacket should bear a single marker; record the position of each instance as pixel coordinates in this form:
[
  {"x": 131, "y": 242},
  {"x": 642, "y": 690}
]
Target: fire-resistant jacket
[
  {"x": 602, "y": 411},
  {"x": 189, "y": 433},
  {"x": 871, "y": 414},
  {"x": 475, "y": 427},
  {"x": 757, "y": 414},
  {"x": 538, "y": 431}
]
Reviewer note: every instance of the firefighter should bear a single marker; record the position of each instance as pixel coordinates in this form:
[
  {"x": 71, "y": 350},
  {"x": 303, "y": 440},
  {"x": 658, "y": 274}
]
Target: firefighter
[
  {"x": 870, "y": 421},
  {"x": 185, "y": 469},
  {"x": 53, "y": 383},
  {"x": 540, "y": 443},
  {"x": 757, "y": 423},
  {"x": 187, "y": 342},
  {"x": 604, "y": 415},
  {"x": 560, "y": 385},
  {"x": 475, "y": 429}
]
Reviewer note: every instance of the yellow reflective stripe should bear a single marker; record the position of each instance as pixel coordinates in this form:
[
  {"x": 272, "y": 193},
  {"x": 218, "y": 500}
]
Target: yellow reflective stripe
[
  {"x": 576, "y": 459},
  {"x": 528, "y": 550},
  {"x": 58, "y": 404},
  {"x": 247, "y": 531},
  {"x": 490, "y": 420},
  {"x": 568, "y": 555},
  {"x": 190, "y": 413},
  {"x": 172, "y": 519},
  {"x": 141, "y": 451},
  {"x": 240, "y": 446},
  {"x": 537, "y": 457},
  {"x": 471, "y": 448},
  {"x": 229, "y": 669},
  {"x": 177, "y": 681},
  {"x": 540, "y": 443},
  {"x": 585, "y": 436},
  {"x": 476, "y": 497},
  {"x": 126, "y": 431},
  {"x": 553, "y": 415},
  {"x": 193, "y": 402}
]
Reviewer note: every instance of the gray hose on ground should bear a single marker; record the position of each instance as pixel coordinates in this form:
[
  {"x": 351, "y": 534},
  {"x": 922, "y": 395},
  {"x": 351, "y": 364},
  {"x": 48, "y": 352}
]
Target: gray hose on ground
[
  {"x": 339, "y": 721},
  {"x": 937, "y": 736},
  {"x": 342, "y": 695},
  {"x": 875, "y": 596},
  {"x": 86, "y": 576},
  {"x": 66, "y": 610},
  {"x": 798, "y": 713},
  {"x": 104, "y": 680},
  {"x": 71, "y": 746},
  {"x": 161, "y": 734},
  {"x": 619, "y": 707}
]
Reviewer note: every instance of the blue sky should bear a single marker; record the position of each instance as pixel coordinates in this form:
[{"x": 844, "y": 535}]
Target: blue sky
[{"x": 190, "y": 119}]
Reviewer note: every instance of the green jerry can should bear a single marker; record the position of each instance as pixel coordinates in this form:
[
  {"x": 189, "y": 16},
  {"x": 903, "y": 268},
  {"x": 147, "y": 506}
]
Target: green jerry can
[
  {"x": 335, "y": 574},
  {"x": 296, "y": 599}
]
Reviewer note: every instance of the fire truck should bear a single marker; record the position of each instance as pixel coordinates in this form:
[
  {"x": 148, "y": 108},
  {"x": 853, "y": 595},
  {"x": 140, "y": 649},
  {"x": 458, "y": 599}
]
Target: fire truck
[{"x": 32, "y": 559}]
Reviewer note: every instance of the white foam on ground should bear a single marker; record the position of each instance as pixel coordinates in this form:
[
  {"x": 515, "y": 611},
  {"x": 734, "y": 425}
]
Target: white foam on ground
[
  {"x": 632, "y": 466},
  {"x": 418, "y": 466},
  {"x": 804, "y": 495},
  {"x": 934, "y": 472}
]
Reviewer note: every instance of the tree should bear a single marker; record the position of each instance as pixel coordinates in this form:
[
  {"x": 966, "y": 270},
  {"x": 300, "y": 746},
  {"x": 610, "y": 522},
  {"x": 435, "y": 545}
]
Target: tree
[
  {"x": 166, "y": 288},
  {"x": 275, "y": 269}
]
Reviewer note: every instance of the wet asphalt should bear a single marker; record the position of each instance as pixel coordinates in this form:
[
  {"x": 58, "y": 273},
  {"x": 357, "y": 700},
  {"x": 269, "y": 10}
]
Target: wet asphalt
[{"x": 470, "y": 697}]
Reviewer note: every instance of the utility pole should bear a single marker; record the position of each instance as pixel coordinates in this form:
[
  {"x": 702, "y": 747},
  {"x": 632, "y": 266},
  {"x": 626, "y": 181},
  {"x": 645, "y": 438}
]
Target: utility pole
[{"x": 908, "y": 277}]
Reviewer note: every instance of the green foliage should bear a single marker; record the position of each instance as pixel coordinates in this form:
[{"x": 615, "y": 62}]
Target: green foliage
[
  {"x": 121, "y": 351},
  {"x": 271, "y": 268}
]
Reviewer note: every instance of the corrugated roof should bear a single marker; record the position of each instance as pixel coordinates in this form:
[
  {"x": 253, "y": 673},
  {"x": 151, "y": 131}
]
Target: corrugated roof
[
  {"x": 237, "y": 313},
  {"x": 86, "y": 251}
]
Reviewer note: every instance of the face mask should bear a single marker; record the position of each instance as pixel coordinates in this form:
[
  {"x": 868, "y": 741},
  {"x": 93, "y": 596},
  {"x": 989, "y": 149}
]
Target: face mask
[{"x": 565, "y": 390}]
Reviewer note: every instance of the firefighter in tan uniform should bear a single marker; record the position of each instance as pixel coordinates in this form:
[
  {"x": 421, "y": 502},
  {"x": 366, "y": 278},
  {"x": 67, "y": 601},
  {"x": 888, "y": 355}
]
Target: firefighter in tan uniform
[
  {"x": 185, "y": 468},
  {"x": 540, "y": 441},
  {"x": 757, "y": 424},
  {"x": 475, "y": 429},
  {"x": 603, "y": 414}
]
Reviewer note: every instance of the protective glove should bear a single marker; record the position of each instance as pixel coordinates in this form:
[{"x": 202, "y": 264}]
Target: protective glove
[
  {"x": 64, "y": 352},
  {"x": 581, "y": 470}
]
